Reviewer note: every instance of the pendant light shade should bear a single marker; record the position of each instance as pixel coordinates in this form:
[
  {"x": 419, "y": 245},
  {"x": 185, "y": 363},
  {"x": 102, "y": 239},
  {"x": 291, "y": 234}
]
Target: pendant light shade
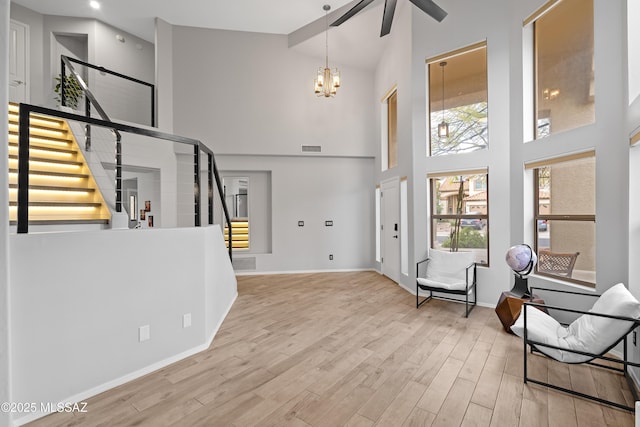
[{"x": 443, "y": 127}]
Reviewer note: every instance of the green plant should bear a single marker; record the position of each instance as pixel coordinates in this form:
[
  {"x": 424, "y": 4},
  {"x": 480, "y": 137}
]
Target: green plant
[
  {"x": 72, "y": 91},
  {"x": 468, "y": 238}
]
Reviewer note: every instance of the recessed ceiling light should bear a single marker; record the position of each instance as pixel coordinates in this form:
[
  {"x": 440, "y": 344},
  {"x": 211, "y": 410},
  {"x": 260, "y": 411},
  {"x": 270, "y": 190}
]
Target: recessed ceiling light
[{"x": 94, "y": 4}]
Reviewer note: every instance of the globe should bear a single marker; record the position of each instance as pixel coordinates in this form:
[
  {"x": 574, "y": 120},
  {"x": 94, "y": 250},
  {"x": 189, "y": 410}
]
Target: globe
[{"x": 521, "y": 259}]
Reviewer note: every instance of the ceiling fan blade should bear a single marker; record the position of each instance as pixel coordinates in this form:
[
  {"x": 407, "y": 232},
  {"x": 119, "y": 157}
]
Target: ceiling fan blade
[
  {"x": 355, "y": 9},
  {"x": 431, "y": 9},
  {"x": 387, "y": 18}
]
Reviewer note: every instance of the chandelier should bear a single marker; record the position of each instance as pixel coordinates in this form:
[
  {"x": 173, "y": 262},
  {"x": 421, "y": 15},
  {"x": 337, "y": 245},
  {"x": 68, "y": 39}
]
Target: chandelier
[{"x": 327, "y": 81}]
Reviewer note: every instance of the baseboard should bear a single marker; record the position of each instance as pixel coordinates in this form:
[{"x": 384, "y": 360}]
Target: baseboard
[
  {"x": 83, "y": 396},
  {"x": 261, "y": 273}
]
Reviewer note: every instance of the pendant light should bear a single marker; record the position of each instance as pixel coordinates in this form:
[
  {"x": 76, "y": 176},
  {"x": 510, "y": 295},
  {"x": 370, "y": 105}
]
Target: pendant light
[
  {"x": 443, "y": 127},
  {"x": 327, "y": 81}
]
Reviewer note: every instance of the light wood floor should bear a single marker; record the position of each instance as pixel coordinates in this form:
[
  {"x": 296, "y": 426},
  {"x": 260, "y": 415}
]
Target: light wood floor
[{"x": 341, "y": 349}]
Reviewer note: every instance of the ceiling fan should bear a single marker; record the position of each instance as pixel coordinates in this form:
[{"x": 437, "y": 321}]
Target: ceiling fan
[{"x": 427, "y": 6}]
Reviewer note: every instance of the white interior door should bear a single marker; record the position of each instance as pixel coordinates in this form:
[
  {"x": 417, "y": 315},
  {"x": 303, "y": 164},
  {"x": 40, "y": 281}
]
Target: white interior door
[
  {"x": 18, "y": 62},
  {"x": 390, "y": 232}
]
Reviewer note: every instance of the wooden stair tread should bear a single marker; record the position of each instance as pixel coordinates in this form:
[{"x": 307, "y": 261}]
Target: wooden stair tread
[
  {"x": 56, "y": 188},
  {"x": 34, "y": 146},
  {"x": 15, "y": 110},
  {"x": 52, "y": 145},
  {"x": 47, "y": 160},
  {"x": 14, "y": 119},
  {"x": 44, "y": 138},
  {"x": 63, "y": 221},
  {"x": 62, "y": 174},
  {"x": 35, "y": 127},
  {"x": 62, "y": 204}
]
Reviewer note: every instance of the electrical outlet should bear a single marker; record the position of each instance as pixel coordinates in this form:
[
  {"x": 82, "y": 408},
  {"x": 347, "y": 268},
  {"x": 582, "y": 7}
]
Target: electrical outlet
[
  {"x": 186, "y": 320},
  {"x": 328, "y": 223},
  {"x": 300, "y": 223},
  {"x": 144, "y": 333},
  {"x": 330, "y": 257}
]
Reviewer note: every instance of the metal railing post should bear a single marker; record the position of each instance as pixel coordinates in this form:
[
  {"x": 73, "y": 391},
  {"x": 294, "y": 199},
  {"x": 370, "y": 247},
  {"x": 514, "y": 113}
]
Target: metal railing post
[
  {"x": 196, "y": 183},
  {"x": 153, "y": 106},
  {"x": 216, "y": 174},
  {"x": 63, "y": 75},
  {"x": 118, "y": 173},
  {"x": 87, "y": 127},
  {"x": 23, "y": 170},
  {"x": 210, "y": 179}
]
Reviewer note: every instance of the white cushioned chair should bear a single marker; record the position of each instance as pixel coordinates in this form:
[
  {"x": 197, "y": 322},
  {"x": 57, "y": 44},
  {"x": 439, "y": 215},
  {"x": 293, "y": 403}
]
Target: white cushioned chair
[
  {"x": 448, "y": 273},
  {"x": 612, "y": 318}
]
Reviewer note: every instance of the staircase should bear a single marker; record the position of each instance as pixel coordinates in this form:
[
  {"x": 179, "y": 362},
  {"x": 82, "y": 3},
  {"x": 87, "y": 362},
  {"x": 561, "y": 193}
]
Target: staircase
[
  {"x": 61, "y": 187},
  {"x": 240, "y": 234}
]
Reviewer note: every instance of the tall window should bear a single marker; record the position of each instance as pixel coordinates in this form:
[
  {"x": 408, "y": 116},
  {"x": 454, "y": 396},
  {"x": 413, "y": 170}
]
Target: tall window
[
  {"x": 390, "y": 130},
  {"x": 563, "y": 63},
  {"x": 565, "y": 220},
  {"x": 458, "y": 101},
  {"x": 459, "y": 213}
]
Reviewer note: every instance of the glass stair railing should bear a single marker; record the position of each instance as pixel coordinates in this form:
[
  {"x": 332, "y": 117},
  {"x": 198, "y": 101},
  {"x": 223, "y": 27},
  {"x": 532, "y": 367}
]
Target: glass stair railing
[{"x": 61, "y": 187}]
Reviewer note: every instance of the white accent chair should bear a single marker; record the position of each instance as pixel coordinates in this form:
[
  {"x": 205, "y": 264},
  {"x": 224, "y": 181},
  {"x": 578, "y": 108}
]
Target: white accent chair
[
  {"x": 612, "y": 318},
  {"x": 448, "y": 273}
]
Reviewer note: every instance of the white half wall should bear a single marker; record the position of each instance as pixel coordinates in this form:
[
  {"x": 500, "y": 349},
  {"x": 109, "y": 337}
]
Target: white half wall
[
  {"x": 5, "y": 356},
  {"x": 76, "y": 318}
]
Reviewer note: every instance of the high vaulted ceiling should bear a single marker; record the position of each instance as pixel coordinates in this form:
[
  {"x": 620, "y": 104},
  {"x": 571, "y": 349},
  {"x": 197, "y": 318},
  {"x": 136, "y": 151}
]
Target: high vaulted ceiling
[
  {"x": 356, "y": 43},
  {"x": 136, "y": 17}
]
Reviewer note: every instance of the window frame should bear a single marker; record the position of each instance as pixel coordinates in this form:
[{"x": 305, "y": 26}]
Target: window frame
[
  {"x": 537, "y": 216},
  {"x": 531, "y": 22},
  {"x": 482, "y": 45},
  {"x": 434, "y": 216},
  {"x": 389, "y": 130}
]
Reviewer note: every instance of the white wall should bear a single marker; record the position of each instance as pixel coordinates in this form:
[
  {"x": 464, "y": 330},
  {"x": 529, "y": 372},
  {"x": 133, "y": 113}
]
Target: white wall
[
  {"x": 123, "y": 100},
  {"x": 499, "y": 22},
  {"x": 467, "y": 24},
  {"x": 250, "y": 99},
  {"x": 164, "y": 74},
  {"x": 78, "y": 335},
  {"x": 250, "y": 94},
  {"x": 394, "y": 69},
  {"x": 633, "y": 47},
  {"x": 5, "y": 306},
  {"x": 314, "y": 190},
  {"x": 633, "y": 17},
  {"x": 135, "y": 57},
  {"x": 35, "y": 22}
]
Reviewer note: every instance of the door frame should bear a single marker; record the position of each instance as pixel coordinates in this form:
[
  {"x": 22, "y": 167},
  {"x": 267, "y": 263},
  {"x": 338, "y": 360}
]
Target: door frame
[
  {"x": 394, "y": 272},
  {"x": 27, "y": 59}
]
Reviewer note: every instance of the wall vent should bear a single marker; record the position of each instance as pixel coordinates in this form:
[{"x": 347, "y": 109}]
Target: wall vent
[
  {"x": 311, "y": 148},
  {"x": 244, "y": 264}
]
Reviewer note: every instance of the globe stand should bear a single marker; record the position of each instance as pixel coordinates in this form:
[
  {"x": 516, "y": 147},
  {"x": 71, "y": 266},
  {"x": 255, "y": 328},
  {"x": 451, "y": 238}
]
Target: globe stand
[{"x": 520, "y": 287}]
